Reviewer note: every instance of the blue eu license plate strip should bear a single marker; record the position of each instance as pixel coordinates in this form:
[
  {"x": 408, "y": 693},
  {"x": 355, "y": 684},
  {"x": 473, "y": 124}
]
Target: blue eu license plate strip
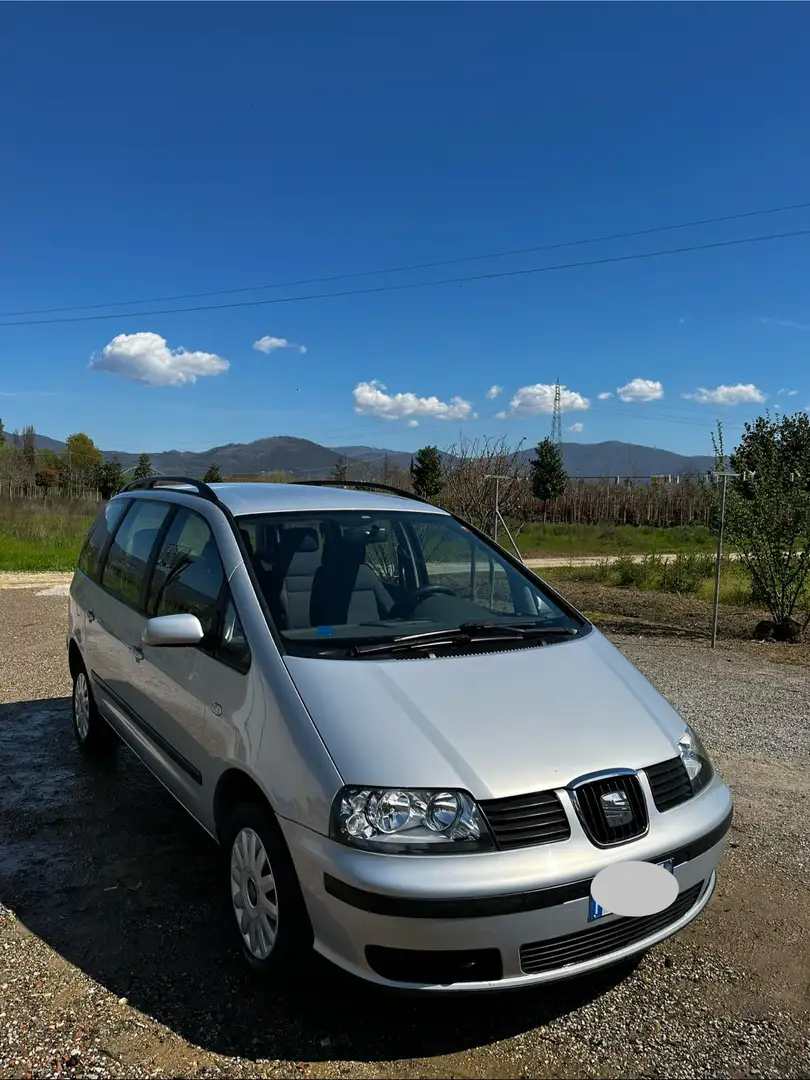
[{"x": 596, "y": 911}]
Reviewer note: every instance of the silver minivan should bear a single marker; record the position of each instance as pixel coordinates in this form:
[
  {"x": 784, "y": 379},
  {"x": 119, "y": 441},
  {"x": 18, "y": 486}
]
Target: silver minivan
[{"x": 416, "y": 755}]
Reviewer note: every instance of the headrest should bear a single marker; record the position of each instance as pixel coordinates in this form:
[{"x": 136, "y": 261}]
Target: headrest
[{"x": 300, "y": 539}]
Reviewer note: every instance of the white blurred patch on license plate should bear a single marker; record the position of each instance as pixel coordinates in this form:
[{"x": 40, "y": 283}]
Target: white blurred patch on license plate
[{"x": 596, "y": 911}]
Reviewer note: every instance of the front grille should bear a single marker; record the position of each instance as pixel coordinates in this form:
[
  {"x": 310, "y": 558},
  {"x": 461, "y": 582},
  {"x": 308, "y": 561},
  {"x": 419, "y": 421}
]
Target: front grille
[
  {"x": 593, "y": 813},
  {"x": 526, "y": 820},
  {"x": 669, "y": 783},
  {"x": 600, "y": 940}
]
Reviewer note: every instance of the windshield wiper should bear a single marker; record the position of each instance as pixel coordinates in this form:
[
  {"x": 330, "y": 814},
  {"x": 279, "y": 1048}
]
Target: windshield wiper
[{"x": 466, "y": 633}]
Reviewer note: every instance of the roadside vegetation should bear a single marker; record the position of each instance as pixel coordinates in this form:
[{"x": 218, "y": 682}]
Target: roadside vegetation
[
  {"x": 652, "y": 538},
  {"x": 45, "y": 534},
  {"x": 536, "y": 540}
]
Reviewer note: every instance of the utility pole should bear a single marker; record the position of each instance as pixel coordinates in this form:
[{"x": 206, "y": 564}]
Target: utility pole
[
  {"x": 498, "y": 515},
  {"x": 556, "y": 417}
]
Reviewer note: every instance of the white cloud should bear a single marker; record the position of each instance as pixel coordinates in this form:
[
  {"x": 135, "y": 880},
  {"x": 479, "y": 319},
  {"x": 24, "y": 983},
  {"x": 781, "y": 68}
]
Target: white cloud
[
  {"x": 641, "y": 390},
  {"x": 371, "y": 399},
  {"x": 792, "y": 393},
  {"x": 605, "y": 395},
  {"x": 412, "y": 423},
  {"x": 739, "y": 394},
  {"x": 789, "y": 324},
  {"x": 494, "y": 391},
  {"x": 784, "y": 390},
  {"x": 146, "y": 358},
  {"x": 539, "y": 398},
  {"x": 268, "y": 344},
  {"x": 576, "y": 427}
]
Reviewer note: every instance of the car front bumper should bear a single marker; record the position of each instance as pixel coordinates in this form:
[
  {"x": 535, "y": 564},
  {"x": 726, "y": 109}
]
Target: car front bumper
[{"x": 499, "y": 920}]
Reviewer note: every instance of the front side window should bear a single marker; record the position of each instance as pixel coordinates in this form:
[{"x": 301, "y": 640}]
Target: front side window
[
  {"x": 341, "y": 579},
  {"x": 125, "y": 566},
  {"x": 89, "y": 561},
  {"x": 188, "y": 577}
]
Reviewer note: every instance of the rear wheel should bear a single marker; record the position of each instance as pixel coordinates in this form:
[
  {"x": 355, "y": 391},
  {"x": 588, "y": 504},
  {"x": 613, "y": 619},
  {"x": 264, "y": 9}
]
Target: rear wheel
[
  {"x": 274, "y": 932},
  {"x": 94, "y": 735}
]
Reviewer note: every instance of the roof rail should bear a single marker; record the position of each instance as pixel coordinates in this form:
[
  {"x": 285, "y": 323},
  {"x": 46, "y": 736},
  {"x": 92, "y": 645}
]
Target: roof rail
[
  {"x": 365, "y": 485},
  {"x": 148, "y": 483}
]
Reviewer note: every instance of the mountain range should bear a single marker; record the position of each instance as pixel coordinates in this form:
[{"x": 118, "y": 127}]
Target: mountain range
[{"x": 302, "y": 458}]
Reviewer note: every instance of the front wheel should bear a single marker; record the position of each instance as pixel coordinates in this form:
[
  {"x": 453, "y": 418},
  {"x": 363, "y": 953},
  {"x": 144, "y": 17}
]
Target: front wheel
[
  {"x": 269, "y": 913},
  {"x": 95, "y": 737}
]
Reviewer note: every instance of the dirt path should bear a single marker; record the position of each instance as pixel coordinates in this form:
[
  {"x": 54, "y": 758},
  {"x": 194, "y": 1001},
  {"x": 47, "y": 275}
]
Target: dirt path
[{"x": 12, "y": 579}]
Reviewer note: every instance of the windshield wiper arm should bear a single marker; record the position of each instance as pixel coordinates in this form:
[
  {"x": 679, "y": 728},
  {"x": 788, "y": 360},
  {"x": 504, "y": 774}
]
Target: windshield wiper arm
[{"x": 466, "y": 632}]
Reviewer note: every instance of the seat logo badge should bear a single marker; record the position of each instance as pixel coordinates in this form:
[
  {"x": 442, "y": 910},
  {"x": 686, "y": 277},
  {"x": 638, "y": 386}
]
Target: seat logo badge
[{"x": 616, "y": 809}]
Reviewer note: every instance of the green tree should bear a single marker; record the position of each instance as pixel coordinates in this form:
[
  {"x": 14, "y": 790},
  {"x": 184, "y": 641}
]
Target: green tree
[
  {"x": 110, "y": 478},
  {"x": 80, "y": 462},
  {"x": 81, "y": 455},
  {"x": 427, "y": 473},
  {"x": 212, "y": 474},
  {"x": 767, "y": 518},
  {"x": 143, "y": 469},
  {"x": 548, "y": 475},
  {"x": 49, "y": 459},
  {"x": 2, "y": 434},
  {"x": 29, "y": 447}
]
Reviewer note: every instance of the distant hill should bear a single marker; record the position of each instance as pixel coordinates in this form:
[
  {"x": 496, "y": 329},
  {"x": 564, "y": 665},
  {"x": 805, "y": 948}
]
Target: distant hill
[
  {"x": 627, "y": 459},
  {"x": 302, "y": 458}
]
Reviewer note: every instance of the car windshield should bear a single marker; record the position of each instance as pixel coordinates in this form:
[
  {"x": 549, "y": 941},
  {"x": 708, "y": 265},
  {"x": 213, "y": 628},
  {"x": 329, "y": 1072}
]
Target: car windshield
[{"x": 338, "y": 579}]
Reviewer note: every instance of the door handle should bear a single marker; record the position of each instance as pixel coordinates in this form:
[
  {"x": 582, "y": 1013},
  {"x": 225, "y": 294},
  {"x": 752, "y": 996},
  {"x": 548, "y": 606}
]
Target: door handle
[
  {"x": 137, "y": 652},
  {"x": 91, "y": 615}
]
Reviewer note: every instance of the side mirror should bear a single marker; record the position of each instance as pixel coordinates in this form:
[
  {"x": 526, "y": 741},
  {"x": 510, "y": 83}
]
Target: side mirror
[{"x": 172, "y": 630}]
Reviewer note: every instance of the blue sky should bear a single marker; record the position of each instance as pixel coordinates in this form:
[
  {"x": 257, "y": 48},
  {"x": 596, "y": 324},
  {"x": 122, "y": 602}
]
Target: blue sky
[{"x": 156, "y": 150}]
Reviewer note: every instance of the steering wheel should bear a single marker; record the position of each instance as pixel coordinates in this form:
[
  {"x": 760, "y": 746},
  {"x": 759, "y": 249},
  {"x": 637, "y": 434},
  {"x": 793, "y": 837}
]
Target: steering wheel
[{"x": 407, "y": 604}]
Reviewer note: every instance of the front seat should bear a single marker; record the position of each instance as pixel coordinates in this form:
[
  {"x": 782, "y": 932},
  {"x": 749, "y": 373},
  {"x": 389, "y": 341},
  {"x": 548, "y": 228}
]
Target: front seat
[{"x": 344, "y": 589}]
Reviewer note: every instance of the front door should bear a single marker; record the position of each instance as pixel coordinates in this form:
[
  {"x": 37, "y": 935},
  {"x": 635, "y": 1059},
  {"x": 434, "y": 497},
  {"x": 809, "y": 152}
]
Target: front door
[{"x": 174, "y": 682}]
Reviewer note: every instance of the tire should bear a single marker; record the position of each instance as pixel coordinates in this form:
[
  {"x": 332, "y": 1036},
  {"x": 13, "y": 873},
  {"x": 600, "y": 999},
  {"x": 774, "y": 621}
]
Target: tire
[
  {"x": 267, "y": 909},
  {"x": 96, "y": 739}
]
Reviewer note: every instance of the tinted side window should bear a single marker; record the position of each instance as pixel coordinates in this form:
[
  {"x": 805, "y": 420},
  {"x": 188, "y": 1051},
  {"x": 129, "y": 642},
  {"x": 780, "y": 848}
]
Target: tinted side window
[
  {"x": 128, "y": 556},
  {"x": 188, "y": 577},
  {"x": 92, "y": 549}
]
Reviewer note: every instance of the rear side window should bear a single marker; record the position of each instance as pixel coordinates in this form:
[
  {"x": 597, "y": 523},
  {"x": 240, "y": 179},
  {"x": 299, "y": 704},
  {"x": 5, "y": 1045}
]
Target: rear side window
[
  {"x": 100, "y": 531},
  {"x": 129, "y": 553},
  {"x": 188, "y": 576}
]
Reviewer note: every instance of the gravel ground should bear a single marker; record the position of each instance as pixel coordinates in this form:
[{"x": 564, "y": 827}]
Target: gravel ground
[{"x": 116, "y": 961}]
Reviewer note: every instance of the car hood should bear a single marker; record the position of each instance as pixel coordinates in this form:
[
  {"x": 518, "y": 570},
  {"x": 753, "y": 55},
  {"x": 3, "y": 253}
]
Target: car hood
[{"x": 495, "y": 724}]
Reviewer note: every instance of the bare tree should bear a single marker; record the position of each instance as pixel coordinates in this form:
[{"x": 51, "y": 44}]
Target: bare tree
[{"x": 469, "y": 493}]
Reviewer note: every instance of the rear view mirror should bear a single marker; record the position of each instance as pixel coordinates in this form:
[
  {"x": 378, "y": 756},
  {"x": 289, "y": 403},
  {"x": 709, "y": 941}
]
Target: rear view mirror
[{"x": 172, "y": 630}]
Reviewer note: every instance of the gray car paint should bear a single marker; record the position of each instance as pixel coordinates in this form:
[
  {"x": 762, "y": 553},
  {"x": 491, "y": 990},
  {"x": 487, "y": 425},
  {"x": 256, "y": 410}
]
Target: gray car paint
[{"x": 496, "y": 724}]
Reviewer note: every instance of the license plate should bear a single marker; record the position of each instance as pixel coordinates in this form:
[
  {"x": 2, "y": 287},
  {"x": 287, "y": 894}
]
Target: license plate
[{"x": 596, "y": 911}]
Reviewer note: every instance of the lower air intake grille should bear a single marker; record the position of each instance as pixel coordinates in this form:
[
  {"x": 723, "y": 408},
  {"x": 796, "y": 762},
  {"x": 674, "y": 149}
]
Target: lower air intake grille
[
  {"x": 526, "y": 820},
  {"x": 602, "y": 939},
  {"x": 612, "y": 810},
  {"x": 669, "y": 783}
]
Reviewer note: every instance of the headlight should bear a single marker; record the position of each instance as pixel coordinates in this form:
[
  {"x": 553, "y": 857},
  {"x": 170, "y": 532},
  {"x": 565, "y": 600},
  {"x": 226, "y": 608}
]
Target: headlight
[
  {"x": 696, "y": 760},
  {"x": 400, "y": 820}
]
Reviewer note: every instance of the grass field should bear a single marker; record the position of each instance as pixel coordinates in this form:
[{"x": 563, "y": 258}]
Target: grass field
[
  {"x": 536, "y": 540},
  {"x": 42, "y": 534},
  {"x": 46, "y": 535},
  {"x": 688, "y": 574}
]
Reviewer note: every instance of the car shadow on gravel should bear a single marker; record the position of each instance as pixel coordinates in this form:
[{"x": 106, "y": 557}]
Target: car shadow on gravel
[{"x": 105, "y": 867}]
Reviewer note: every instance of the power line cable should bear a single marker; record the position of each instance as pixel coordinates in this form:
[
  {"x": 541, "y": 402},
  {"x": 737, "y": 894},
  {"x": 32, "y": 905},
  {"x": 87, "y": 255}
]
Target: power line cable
[
  {"x": 416, "y": 284},
  {"x": 414, "y": 266}
]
